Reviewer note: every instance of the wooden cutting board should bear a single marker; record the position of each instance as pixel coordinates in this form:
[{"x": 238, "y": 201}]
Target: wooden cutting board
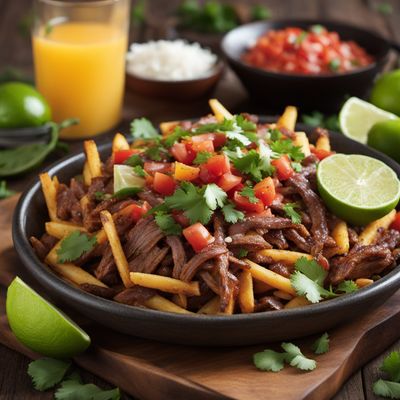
[{"x": 152, "y": 370}]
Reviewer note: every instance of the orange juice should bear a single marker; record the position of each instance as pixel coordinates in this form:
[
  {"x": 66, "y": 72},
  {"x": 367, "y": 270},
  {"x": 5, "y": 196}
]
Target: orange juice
[{"x": 80, "y": 70}]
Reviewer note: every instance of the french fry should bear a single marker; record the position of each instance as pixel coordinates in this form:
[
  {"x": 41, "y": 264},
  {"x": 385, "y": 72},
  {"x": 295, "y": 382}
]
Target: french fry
[
  {"x": 159, "y": 303},
  {"x": 119, "y": 143},
  {"x": 211, "y": 307},
  {"x": 288, "y": 118},
  {"x": 230, "y": 307},
  {"x": 301, "y": 140},
  {"x": 70, "y": 271},
  {"x": 370, "y": 232},
  {"x": 219, "y": 110},
  {"x": 271, "y": 278},
  {"x": 60, "y": 229},
  {"x": 167, "y": 128},
  {"x": 180, "y": 300},
  {"x": 286, "y": 256},
  {"x": 363, "y": 282},
  {"x": 50, "y": 195},
  {"x": 93, "y": 158},
  {"x": 323, "y": 143},
  {"x": 298, "y": 301},
  {"x": 283, "y": 295},
  {"x": 116, "y": 247},
  {"x": 56, "y": 181},
  {"x": 165, "y": 284},
  {"x": 87, "y": 177},
  {"x": 246, "y": 294},
  {"x": 341, "y": 237}
]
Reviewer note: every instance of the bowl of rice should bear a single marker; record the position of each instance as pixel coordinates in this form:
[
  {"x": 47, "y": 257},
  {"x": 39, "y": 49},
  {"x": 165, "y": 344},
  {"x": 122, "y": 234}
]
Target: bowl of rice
[{"x": 173, "y": 69}]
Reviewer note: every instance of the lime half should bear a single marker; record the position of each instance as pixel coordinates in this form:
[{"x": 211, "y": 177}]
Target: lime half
[
  {"x": 41, "y": 326},
  {"x": 356, "y": 188},
  {"x": 358, "y": 116}
]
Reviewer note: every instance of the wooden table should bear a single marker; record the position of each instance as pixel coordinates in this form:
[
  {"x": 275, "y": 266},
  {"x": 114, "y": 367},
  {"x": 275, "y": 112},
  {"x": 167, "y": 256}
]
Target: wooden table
[{"x": 15, "y": 52}]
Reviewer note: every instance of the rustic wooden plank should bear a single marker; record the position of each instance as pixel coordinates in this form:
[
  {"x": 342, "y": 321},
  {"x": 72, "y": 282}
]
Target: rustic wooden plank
[{"x": 352, "y": 389}]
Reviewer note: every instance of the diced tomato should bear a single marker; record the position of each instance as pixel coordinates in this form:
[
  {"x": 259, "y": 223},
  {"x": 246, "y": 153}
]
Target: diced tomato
[
  {"x": 164, "y": 184},
  {"x": 396, "y": 223},
  {"x": 321, "y": 153},
  {"x": 238, "y": 188},
  {"x": 265, "y": 191},
  {"x": 183, "y": 153},
  {"x": 244, "y": 204},
  {"x": 185, "y": 172},
  {"x": 217, "y": 165},
  {"x": 205, "y": 145},
  {"x": 121, "y": 156},
  {"x": 152, "y": 167},
  {"x": 283, "y": 168},
  {"x": 139, "y": 210},
  {"x": 181, "y": 218},
  {"x": 202, "y": 137},
  {"x": 218, "y": 139},
  {"x": 206, "y": 176},
  {"x": 228, "y": 181},
  {"x": 198, "y": 236}
]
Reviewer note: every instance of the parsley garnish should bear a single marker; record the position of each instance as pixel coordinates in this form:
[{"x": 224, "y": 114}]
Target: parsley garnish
[
  {"x": 321, "y": 345},
  {"x": 202, "y": 157},
  {"x": 4, "y": 192},
  {"x": 74, "y": 245},
  {"x": 232, "y": 215},
  {"x": 142, "y": 128},
  {"x": 334, "y": 64},
  {"x": 269, "y": 360},
  {"x": 100, "y": 196},
  {"x": 391, "y": 365},
  {"x": 214, "y": 196},
  {"x": 167, "y": 223},
  {"x": 347, "y": 287},
  {"x": 286, "y": 146},
  {"x": 134, "y": 160},
  {"x": 291, "y": 213},
  {"x": 387, "y": 389},
  {"x": 139, "y": 171},
  {"x": 384, "y": 8},
  {"x": 47, "y": 372},
  {"x": 248, "y": 192},
  {"x": 73, "y": 389}
]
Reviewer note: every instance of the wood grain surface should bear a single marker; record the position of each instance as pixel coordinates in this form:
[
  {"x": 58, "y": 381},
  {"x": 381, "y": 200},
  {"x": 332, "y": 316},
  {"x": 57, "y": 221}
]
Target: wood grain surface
[{"x": 15, "y": 52}]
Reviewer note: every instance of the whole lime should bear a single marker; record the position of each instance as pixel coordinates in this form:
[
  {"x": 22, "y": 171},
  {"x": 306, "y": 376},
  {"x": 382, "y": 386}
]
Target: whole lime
[
  {"x": 385, "y": 137},
  {"x": 386, "y": 92},
  {"x": 22, "y": 106}
]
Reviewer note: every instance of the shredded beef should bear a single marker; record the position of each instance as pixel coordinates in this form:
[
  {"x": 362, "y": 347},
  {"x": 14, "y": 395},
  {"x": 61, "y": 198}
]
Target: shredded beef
[
  {"x": 106, "y": 271},
  {"x": 250, "y": 242},
  {"x": 148, "y": 262},
  {"x": 302, "y": 243},
  {"x": 277, "y": 239},
  {"x": 238, "y": 263},
  {"x": 281, "y": 269},
  {"x": 135, "y": 296},
  {"x": 77, "y": 188},
  {"x": 178, "y": 254},
  {"x": 150, "y": 197},
  {"x": 68, "y": 206},
  {"x": 105, "y": 292},
  {"x": 268, "y": 303},
  {"x": 353, "y": 236},
  {"x": 390, "y": 238},
  {"x": 210, "y": 281}
]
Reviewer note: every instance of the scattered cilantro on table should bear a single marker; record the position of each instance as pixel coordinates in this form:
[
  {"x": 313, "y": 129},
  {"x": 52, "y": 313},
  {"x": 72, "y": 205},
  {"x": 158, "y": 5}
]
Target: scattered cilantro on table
[
  {"x": 47, "y": 372},
  {"x": 74, "y": 245},
  {"x": 291, "y": 213},
  {"x": 4, "y": 192},
  {"x": 269, "y": 360},
  {"x": 297, "y": 359},
  {"x": 321, "y": 345},
  {"x": 389, "y": 388}
]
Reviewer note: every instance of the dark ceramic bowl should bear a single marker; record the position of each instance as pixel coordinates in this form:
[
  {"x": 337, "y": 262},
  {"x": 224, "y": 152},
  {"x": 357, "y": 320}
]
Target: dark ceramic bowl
[
  {"x": 244, "y": 329},
  {"x": 176, "y": 90},
  {"x": 313, "y": 92}
]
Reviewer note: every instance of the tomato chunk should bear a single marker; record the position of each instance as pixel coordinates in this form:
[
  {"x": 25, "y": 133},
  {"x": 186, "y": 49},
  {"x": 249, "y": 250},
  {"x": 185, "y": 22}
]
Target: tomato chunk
[
  {"x": 396, "y": 223},
  {"x": 152, "y": 167},
  {"x": 121, "y": 156},
  {"x": 265, "y": 191},
  {"x": 139, "y": 210},
  {"x": 218, "y": 139},
  {"x": 164, "y": 184},
  {"x": 244, "y": 204},
  {"x": 321, "y": 153},
  {"x": 283, "y": 168},
  {"x": 228, "y": 181},
  {"x": 217, "y": 165},
  {"x": 198, "y": 236},
  {"x": 183, "y": 153},
  {"x": 181, "y": 218},
  {"x": 205, "y": 145},
  {"x": 185, "y": 172}
]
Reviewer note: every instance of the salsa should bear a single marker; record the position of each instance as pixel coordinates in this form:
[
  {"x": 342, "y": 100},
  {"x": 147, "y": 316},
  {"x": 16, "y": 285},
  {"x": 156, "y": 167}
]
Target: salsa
[{"x": 313, "y": 51}]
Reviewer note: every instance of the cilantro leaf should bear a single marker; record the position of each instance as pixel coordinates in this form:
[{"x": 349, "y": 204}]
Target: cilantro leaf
[
  {"x": 297, "y": 359},
  {"x": 74, "y": 245},
  {"x": 347, "y": 287},
  {"x": 47, "y": 372},
  {"x": 291, "y": 213},
  {"x": 139, "y": 171},
  {"x": 251, "y": 164},
  {"x": 134, "y": 160},
  {"x": 142, "y": 128},
  {"x": 167, "y": 223},
  {"x": 304, "y": 286},
  {"x": 321, "y": 345},
  {"x": 297, "y": 166},
  {"x": 99, "y": 196},
  {"x": 72, "y": 389},
  {"x": 334, "y": 64},
  {"x": 4, "y": 192},
  {"x": 214, "y": 196},
  {"x": 269, "y": 360},
  {"x": 248, "y": 192},
  {"x": 275, "y": 134},
  {"x": 391, "y": 365},
  {"x": 156, "y": 152},
  {"x": 127, "y": 192},
  {"x": 286, "y": 146},
  {"x": 177, "y": 134},
  {"x": 242, "y": 253},
  {"x": 316, "y": 118},
  {"x": 318, "y": 29},
  {"x": 202, "y": 157},
  {"x": 384, "y": 8},
  {"x": 311, "y": 269},
  {"x": 232, "y": 215},
  {"x": 387, "y": 389}
]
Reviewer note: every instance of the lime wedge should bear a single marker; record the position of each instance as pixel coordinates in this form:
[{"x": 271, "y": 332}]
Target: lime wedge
[
  {"x": 124, "y": 177},
  {"x": 41, "y": 326},
  {"x": 356, "y": 188},
  {"x": 358, "y": 116}
]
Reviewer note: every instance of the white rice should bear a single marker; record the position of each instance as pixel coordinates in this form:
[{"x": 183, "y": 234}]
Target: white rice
[{"x": 166, "y": 60}]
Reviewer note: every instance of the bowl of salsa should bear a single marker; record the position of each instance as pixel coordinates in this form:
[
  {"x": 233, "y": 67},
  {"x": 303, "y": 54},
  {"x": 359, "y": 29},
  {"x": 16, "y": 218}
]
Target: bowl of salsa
[{"x": 312, "y": 63}]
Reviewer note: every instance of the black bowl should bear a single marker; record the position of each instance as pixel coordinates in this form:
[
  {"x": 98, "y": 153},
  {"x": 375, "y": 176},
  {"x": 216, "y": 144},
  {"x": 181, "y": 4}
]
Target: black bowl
[
  {"x": 244, "y": 329},
  {"x": 314, "y": 92}
]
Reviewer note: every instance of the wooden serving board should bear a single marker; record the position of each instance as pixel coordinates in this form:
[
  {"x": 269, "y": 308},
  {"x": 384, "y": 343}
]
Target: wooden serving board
[{"x": 153, "y": 370}]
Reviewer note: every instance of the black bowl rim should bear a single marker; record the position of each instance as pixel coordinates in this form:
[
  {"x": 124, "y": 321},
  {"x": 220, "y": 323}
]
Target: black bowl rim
[
  {"x": 47, "y": 278},
  {"x": 289, "y": 21}
]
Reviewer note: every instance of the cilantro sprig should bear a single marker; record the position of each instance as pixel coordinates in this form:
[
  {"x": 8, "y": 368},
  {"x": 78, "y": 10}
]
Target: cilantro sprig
[
  {"x": 321, "y": 345},
  {"x": 389, "y": 388},
  {"x": 142, "y": 128},
  {"x": 202, "y": 157},
  {"x": 291, "y": 213},
  {"x": 286, "y": 146},
  {"x": 248, "y": 192},
  {"x": 74, "y": 245},
  {"x": 167, "y": 223}
]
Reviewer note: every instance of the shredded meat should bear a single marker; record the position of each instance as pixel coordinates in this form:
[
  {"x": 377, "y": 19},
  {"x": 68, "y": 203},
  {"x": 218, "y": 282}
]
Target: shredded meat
[
  {"x": 281, "y": 269},
  {"x": 77, "y": 188},
  {"x": 135, "y": 296},
  {"x": 106, "y": 271},
  {"x": 150, "y": 197},
  {"x": 276, "y": 238},
  {"x": 68, "y": 206},
  {"x": 238, "y": 263},
  {"x": 250, "y": 242},
  {"x": 353, "y": 237},
  {"x": 43, "y": 245},
  {"x": 210, "y": 281},
  {"x": 148, "y": 262},
  {"x": 105, "y": 292},
  {"x": 267, "y": 303},
  {"x": 178, "y": 254},
  {"x": 297, "y": 239},
  {"x": 390, "y": 239}
]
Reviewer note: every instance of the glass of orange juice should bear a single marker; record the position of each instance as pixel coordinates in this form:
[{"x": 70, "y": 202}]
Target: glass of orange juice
[{"x": 79, "y": 55}]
